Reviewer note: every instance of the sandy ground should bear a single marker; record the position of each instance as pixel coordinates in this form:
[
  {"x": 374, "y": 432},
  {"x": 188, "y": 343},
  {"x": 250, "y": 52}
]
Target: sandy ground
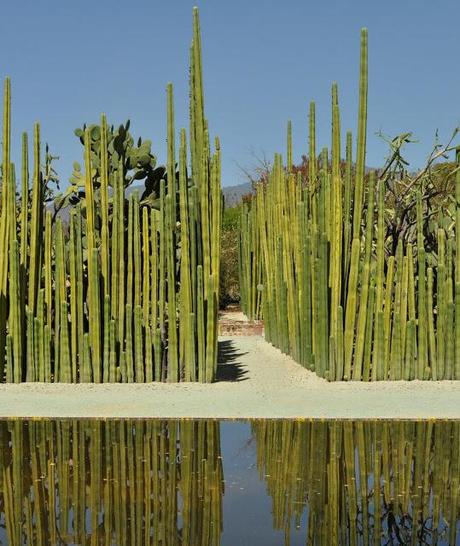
[{"x": 256, "y": 380}]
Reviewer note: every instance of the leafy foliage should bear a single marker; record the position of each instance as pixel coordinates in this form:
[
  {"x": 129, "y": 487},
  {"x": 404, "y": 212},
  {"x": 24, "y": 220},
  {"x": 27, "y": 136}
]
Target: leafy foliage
[{"x": 229, "y": 273}]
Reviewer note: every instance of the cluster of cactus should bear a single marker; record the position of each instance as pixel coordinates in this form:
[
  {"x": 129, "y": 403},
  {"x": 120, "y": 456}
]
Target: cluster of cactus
[
  {"x": 128, "y": 290},
  {"x": 362, "y": 482},
  {"x": 114, "y": 482},
  {"x": 336, "y": 296},
  {"x": 251, "y": 271}
]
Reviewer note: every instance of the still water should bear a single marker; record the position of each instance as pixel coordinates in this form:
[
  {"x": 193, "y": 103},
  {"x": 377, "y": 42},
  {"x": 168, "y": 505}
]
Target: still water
[{"x": 207, "y": 483}]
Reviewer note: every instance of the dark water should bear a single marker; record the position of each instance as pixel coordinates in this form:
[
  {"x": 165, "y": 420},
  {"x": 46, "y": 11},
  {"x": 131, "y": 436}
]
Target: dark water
[{"x": 229, "y": 483}]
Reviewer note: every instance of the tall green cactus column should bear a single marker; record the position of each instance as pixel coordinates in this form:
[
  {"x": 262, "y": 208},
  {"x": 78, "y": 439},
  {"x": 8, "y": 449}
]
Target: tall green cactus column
[
  {"x": 94, "y": 313},
  {"x": 4, "y": 239},
  {"x": 456, "y": 374},
  {"x": 207, "y": 202},
  {"x": 170, "y": 231}
]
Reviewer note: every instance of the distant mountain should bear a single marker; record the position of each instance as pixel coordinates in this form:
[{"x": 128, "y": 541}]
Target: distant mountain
[{"x": 234, "y": 194}]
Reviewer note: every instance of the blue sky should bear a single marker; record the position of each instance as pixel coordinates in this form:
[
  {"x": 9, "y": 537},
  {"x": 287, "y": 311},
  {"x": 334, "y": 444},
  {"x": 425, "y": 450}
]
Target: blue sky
[{"x": 263, "y": 62}]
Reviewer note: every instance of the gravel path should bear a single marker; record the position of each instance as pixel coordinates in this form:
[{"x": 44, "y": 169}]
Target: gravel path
[{"x": 256, "y": 380}]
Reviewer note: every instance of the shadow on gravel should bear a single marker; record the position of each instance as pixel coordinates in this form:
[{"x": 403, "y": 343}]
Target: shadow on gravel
[{"x": 228, "y": 366}]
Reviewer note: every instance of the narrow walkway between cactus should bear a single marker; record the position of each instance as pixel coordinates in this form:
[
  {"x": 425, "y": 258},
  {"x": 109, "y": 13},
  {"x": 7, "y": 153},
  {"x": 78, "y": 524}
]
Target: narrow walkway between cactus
[{"x": 254, "y": 380}]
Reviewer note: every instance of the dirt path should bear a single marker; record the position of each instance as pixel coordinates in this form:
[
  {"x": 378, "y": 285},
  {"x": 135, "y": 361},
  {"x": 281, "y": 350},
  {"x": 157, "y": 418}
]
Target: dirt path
[{"x": 255, "y": 380}]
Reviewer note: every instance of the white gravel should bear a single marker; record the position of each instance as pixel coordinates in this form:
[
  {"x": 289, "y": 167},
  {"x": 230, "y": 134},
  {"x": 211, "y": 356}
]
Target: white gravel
[{"x": 270, "y": 385}]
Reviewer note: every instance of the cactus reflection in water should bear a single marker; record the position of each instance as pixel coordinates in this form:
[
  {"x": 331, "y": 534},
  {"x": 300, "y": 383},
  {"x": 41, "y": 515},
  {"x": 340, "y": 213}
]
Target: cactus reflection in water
[
  {"x": 128, "y": 290},
  {"x": 363, "y": 482},
  {"x": 126, "y": 483},
  {"x": 162, "y": 482},
  {"x": 337, "y": 296}
]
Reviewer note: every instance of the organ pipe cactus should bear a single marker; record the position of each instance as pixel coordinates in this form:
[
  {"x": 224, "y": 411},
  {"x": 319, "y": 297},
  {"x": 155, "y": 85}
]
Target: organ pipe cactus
[
  {"x": 123, "y": 292},
  {"x": 337, "y": 296}
]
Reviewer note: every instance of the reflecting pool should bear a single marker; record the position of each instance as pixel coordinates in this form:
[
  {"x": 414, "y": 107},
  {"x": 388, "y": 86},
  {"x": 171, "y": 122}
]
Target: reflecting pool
[{"x": 152, "y": 482}]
